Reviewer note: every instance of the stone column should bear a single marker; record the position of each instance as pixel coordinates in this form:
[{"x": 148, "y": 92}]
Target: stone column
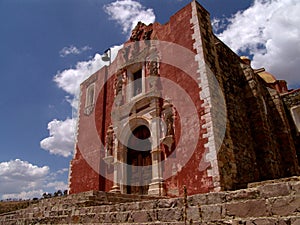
[
  {"x": 123, "y": 170},
  {"x": 116, "y": 188},
  {"x": 156, "y": 186}
]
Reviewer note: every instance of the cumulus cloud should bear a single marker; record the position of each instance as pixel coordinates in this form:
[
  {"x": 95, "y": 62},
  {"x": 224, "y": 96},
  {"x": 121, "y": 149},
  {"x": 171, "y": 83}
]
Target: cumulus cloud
[
  {"x": 63, "y": 170},
  {"x": 21, "y": 177},
  {"x": 128, "y": 13},
  {"x": 24, "y": 195},
  {"x": 73, "y": 50},
  {"x": 269, "y": 32},
  {"x": 23, "y": 180},
  {"x": 61, "y": 137},
  {"x": 58, "y": 185}
]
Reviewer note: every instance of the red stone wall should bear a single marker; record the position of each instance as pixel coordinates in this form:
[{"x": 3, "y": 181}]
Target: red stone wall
[{"x": 87, "y": 166}]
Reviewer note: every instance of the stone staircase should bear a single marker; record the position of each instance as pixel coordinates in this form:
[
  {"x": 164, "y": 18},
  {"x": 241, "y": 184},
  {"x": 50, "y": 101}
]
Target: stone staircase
[{"x": 266, "y": 203}]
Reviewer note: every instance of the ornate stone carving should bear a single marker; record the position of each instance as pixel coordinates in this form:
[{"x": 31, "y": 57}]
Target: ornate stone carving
[
  {"x": 141, "y": 31},
  {"x": 119, "y": 86},
  {"x": 152, "y": 68},
  {"x": 89, "y": 109},
  {"x": 137, "y": 32},
  {"x": 168, "y": 116},
  {"x": 109, "y": 141},
  {"x": 119, "y": 83},
  {"x": 109, "y": 148},
  {"x": 147, "y": 34},
  {"x": 126, "y": 51}
]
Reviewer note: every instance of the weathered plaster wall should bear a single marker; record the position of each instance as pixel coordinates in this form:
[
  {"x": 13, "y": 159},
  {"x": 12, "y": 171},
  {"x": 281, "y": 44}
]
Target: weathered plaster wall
[{"x": 87, "y": 162}]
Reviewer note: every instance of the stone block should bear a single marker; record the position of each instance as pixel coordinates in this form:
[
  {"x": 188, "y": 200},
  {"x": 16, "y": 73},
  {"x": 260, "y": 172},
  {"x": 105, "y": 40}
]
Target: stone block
[
  {"x": 196, "y": 200},
  {"x": 167, "y": 203},
  {"x": 296, "y": 188},
  {"x": 193, "y": 214},
  {"x": 215, "y": 198},
  {"x": 242, "y": 195},
  {"x": 147, "y": 205},
  {"x": 250, "y": 208},
  {"x": 140, "y": 217},
  {"x": 272, "y": 190},
  {"x": 284, "y": 206},
  {"x": 211, "y": 212},
  {"x": 295, "y": 221},
  {"x": 169, "y": 215},
  {"x": 264, "y": 221}
]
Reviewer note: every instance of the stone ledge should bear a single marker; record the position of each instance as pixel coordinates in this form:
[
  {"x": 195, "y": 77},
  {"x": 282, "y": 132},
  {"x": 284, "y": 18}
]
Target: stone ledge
[{"x": 280, "y": 180}]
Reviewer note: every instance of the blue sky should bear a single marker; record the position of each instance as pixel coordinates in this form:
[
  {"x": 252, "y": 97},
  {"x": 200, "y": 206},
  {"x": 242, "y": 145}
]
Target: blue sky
[{"x": 49, "y": 46}]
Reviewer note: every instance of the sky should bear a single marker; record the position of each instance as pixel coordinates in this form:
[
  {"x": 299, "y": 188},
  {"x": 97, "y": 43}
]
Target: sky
[{"x": 48, "y": 47}]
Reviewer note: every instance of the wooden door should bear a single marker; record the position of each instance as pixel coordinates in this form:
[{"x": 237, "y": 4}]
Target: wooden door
[{"x": 139, "y": 170}]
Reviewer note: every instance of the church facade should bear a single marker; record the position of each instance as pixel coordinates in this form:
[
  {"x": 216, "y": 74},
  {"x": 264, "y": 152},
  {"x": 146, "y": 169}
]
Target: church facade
[{"x": 178, "y": 108}]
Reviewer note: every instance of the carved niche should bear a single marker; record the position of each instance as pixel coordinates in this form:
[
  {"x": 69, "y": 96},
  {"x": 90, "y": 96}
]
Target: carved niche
[
  {"x": 109, "y": 145},
  {"x": 168, "y": 116},
  {"x": 119, "y": 86},
  {"x": 152, "y": 68}
]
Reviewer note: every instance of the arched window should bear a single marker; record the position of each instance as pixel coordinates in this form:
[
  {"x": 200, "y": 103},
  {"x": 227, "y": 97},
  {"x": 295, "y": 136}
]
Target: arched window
[
  {"x": 90, "y": 95},
  {"x": 137, "y": 82},
  {"x": 89, "y": 99}
]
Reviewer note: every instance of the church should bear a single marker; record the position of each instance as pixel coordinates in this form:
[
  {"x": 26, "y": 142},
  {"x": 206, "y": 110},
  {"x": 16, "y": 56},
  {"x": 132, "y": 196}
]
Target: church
[{"x": 177, "y": 107}]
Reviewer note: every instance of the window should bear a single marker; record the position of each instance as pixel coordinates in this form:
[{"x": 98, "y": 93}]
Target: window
[
  {"x": 90, "y": 95},
  {"x": 90, "y": 99},
  {"x": 137, "y": 82}
]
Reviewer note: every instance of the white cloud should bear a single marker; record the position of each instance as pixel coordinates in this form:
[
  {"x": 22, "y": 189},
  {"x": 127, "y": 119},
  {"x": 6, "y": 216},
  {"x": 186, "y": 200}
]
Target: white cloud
[
  {"x": 63, "y": 170},
  {"x": 73, "y": 50},
  {"x": 128, "y": 13},
  {"x": 24, "y": 195},
  {"x": 269, "y": 31},
  {"x": 23, "y": 180},
  {"x": 61, "y": 137},
  {"x": 57, "y": 185}
]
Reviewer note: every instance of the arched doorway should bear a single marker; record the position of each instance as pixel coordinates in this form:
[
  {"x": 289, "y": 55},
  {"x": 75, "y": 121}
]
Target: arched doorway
[{"x": 139, "y": 170}]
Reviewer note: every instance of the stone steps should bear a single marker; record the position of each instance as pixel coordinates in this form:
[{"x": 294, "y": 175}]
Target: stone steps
[{"x": 276, "y": 203}]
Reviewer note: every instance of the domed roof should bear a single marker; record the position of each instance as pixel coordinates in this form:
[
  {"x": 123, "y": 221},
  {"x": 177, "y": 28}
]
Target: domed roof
[{"x": 268, "y": 77}]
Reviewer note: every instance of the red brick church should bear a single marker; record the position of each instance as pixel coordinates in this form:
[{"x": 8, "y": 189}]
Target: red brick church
[{"x": 178, "y": 108}]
